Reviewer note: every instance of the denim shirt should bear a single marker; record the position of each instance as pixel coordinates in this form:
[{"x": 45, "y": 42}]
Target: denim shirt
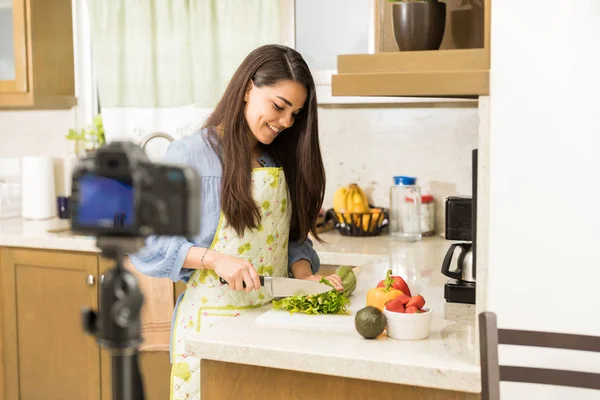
[{"x": 163, "y": 256}]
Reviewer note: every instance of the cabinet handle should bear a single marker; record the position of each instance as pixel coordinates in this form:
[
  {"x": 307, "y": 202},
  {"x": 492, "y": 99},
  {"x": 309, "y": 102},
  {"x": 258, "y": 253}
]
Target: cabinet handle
[
  {"x": 102, "y": 278},
  {"x": 90, "y": 280}
]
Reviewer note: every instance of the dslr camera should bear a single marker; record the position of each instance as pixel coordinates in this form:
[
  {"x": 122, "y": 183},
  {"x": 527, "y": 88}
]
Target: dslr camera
[
  {"x": 119, "y": 192},
  {"x": 120, "y": 197}
]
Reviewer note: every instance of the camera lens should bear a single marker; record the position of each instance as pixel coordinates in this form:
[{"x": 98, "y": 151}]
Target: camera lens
[{"x": 112, "y": 163}]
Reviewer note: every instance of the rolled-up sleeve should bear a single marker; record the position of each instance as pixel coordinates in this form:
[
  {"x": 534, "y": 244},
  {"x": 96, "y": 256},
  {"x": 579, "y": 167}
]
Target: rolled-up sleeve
[
  {"x": 298, "y": 251},
  {"x": 163, "y": 256}
]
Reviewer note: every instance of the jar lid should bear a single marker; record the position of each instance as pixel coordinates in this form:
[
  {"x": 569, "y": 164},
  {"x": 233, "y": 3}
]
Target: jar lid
[{"x": 404, "y": 180}]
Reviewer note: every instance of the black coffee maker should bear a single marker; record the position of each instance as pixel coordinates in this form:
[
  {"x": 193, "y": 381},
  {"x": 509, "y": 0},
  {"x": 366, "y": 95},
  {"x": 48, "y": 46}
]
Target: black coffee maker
[{"x": 461, "y": 225}]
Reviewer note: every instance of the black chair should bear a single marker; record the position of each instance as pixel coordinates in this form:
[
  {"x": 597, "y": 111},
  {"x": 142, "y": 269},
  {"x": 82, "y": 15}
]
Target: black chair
[{"x": 492, "y": 373}]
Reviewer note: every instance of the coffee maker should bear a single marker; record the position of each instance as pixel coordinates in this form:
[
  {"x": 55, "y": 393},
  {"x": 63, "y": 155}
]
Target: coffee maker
[{"x": 461, "y": 225}]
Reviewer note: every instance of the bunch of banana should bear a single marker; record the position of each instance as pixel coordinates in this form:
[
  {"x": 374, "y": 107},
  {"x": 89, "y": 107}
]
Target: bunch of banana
[
  {"x": 350, "y": 199},
  {"x": 350, "y": 202}
]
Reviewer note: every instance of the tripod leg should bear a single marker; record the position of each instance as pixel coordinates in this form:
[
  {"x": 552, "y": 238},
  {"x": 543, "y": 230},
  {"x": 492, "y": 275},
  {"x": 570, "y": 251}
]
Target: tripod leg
[
  {"x": 127, "y": 379},
  {"x": 139, "y": 382}
]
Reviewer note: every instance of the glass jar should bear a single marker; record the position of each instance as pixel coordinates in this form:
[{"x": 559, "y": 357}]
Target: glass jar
[{"x": 405, "y": 209}]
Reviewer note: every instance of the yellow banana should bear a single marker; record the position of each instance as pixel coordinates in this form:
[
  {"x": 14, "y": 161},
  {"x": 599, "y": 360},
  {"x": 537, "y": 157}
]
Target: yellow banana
[
  {"x": 355, "y": 201},
  {"x": 339, "y": 199},
  {"x": 363, "y": 195}
]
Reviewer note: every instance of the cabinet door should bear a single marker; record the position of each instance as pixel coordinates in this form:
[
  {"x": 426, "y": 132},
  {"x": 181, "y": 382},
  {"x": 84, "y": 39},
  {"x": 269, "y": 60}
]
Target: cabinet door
[
  {"x": 13, "y": 49},
  {"x": 47, "y": 353}
]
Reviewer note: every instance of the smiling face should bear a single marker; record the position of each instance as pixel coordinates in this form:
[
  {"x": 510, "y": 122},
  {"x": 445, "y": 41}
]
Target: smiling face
[{"x": 271, "y": 109}]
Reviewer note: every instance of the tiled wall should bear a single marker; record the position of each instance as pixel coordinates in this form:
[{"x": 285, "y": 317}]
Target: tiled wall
[{"x": 367, "y": 145}]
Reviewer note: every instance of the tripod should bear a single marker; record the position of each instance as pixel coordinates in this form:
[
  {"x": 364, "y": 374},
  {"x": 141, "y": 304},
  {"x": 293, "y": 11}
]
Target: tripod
[{"x": 116, "y": 325}]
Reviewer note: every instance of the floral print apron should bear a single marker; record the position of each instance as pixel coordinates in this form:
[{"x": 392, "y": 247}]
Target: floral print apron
[{"x": 206, "y": 301}]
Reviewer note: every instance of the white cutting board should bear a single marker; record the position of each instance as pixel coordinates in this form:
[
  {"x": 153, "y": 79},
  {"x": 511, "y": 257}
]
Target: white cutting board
[{"x": 330, "y": 323}]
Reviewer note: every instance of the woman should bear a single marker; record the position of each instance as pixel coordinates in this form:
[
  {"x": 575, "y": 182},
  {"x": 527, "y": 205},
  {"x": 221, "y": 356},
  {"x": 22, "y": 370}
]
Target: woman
[{"x": 263, "y": 182}]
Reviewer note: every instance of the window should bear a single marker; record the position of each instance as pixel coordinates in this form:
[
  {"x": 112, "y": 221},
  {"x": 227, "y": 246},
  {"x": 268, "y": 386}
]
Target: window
[{"x": 323, "y": 29}]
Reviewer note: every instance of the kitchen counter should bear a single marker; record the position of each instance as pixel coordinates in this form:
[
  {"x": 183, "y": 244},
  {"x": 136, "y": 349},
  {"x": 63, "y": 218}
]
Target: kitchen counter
[
  {"x": 51, "y": 234},
  {"x": 448, "y": 359}
]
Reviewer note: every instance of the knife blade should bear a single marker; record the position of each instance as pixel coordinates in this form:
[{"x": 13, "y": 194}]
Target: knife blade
[{"x": 284, "y": 287}]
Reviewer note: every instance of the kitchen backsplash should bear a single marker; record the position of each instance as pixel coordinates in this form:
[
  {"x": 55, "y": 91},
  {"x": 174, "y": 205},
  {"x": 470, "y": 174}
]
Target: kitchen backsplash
[
  {"x": 35, "y": 133},
  {"x": 38, "y": 133},
  {"x": 369, "y": 146},
  {"x": 363, "y": 144}
]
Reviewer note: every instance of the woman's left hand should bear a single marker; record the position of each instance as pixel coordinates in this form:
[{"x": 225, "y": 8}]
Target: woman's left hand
[{"x": 334, "y": 279}]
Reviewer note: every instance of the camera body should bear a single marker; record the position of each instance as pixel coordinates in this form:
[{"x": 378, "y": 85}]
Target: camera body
[{"x": 119, "y": 192}]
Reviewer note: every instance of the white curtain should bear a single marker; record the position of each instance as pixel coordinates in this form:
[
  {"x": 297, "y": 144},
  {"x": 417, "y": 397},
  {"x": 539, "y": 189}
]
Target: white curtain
[{"x": 161, "y": 65}]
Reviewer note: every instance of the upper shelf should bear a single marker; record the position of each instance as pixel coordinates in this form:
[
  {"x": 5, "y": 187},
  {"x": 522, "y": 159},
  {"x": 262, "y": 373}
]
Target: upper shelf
[
  {"x": 448, "y": 72},
  {"x": 424, "y": 73}
]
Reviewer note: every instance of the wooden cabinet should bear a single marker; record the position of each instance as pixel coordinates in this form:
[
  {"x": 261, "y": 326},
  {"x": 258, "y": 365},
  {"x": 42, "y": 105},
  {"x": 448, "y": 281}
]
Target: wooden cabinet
[
  {"x": 36, "y": 54},
  {"x": 460, "y": 68},
  {"x": 47, "y": 355},
  {"x": 44, "y": 352},
  {"x": 255, "y": 382}
]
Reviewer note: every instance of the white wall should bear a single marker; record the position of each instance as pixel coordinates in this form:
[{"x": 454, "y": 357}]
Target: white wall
[
  {"x": 363, "y": 144},
  {"x": 544, "y": 265},
  {"x": 370, "y": 145},
  {"x": 39, "y": 133}
]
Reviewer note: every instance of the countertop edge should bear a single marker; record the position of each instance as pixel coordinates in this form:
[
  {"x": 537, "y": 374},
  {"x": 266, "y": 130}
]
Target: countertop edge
[
  {"x": 50, "y": 243},
  {"x": 404, "y": 374}
]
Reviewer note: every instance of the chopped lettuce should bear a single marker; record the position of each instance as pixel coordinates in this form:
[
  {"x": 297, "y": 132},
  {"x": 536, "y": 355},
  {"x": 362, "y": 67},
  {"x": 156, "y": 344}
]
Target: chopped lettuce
[{"x": 332, "y": 302}]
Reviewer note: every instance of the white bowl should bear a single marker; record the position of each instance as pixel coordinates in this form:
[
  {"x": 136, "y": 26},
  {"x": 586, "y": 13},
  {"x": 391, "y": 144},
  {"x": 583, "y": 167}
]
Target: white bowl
[{"x": 408, "y": 326}]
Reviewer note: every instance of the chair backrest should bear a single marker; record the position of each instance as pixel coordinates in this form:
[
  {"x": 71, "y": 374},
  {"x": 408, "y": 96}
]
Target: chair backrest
[{"x": 492, "y": 373}]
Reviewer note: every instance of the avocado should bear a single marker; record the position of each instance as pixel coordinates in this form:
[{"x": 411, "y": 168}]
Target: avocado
[{"x": 369, "y": 322}]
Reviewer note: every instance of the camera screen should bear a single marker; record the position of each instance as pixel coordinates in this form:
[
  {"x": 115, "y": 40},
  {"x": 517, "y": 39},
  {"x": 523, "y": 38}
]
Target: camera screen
[{"x": 104, "y": 202}]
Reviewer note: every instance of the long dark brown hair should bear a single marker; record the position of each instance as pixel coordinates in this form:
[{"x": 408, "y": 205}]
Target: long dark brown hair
[{"x": 296, "y": 149}]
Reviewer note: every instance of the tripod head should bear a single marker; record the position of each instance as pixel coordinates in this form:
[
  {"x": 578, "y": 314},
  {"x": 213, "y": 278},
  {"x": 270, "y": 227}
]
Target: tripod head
[{"x": 117, "y": 326}]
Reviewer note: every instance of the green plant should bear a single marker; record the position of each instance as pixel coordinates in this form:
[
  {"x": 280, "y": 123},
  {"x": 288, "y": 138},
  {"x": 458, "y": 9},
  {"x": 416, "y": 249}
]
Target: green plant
[{"x": 91, "y": 137}]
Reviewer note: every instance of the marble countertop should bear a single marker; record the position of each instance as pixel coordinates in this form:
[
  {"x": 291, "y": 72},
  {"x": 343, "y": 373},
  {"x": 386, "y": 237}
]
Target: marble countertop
[
  {"x": 51, "y": 234},
  {"x": 448, "y": 359}
]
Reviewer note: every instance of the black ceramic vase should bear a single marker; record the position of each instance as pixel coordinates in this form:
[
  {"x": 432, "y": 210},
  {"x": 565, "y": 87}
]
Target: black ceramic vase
[{"x": 419, "y": 25}]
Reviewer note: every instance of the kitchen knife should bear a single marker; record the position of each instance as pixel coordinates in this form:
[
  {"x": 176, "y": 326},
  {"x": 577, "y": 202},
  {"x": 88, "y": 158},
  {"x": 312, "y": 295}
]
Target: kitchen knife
[{"x": 284, "y": 287}]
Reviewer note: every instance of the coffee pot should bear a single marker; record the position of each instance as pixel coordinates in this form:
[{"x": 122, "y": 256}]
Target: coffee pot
[
  {"x": 461, "y": 287},
  {"x": 464, "y": 271},
  {"x": 461, "y": 227}
]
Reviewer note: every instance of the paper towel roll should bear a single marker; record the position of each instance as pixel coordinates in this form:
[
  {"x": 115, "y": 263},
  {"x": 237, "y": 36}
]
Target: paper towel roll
[{"x": 38, "y": 198}]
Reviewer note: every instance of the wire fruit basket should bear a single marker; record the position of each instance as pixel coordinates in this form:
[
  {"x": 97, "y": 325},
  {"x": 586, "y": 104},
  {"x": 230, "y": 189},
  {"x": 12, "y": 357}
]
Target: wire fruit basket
[{"x": 370, "y": 223}]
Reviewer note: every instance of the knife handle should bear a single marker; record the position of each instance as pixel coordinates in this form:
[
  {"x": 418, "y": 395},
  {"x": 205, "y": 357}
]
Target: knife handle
[{"x": 262, "y": 281}]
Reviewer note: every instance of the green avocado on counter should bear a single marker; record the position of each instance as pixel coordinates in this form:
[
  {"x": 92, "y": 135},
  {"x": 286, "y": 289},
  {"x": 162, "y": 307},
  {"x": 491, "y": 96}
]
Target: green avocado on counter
[{"x": 369, "y": 322}]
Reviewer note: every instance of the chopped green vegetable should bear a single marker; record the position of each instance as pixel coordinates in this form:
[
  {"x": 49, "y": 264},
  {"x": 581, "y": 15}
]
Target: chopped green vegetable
[{"x": 332, "y": 302}]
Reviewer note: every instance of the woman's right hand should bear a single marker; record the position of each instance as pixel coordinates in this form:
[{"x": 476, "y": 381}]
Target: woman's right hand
[{"x": 235, "y": 271}]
